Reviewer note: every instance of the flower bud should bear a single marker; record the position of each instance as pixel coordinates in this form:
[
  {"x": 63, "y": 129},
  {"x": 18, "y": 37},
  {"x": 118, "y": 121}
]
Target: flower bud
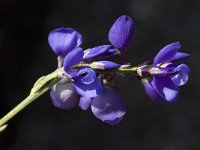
[{"x": 121, "y": 32}]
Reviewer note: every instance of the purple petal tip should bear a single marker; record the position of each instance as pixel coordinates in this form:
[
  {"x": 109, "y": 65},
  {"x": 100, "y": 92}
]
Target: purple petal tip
[{"x": 63, "y": 40}]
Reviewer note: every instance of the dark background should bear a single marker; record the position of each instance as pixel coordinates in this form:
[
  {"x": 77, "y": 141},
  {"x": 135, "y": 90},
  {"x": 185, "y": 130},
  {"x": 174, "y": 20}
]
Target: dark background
[{"x": 25, "y": 55}]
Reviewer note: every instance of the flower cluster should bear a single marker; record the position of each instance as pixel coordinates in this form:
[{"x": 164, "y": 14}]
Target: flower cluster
[{"x": 88, "y": 75}]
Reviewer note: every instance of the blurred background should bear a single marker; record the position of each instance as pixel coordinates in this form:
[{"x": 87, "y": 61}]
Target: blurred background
[{"x": 25, "y": 56}]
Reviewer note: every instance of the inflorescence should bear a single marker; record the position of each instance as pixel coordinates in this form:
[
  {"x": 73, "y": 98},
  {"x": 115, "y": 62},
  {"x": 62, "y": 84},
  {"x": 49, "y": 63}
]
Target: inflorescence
[
  {"x": 85, "y": 78},
  {"x": 88, "y": 77}
]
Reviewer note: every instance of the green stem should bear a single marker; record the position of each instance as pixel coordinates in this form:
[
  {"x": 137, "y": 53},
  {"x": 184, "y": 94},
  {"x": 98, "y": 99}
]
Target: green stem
[
  {"x": 41, "y": 86},
  {"x": 119, "y": 70},
  {"x": 127, "y": 70}
]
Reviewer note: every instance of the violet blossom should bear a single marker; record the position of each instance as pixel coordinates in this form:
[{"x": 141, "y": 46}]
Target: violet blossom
[{"x": 167, "y": 76}]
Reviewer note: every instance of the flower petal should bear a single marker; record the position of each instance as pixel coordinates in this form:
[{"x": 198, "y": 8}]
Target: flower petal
[
  {"x": 181, "y": 75},
  {"x": 180, "y": 56},
  {"x": 87, "y": 86},
  {"x": 88, "y": 75},
  {"x": 121, "y": 32},
  {"x": 63, "y": 40},
  {"x": 167, "y": 53},
  {"x": 151, "y": 91},
  {"x": 63, "y": 96},
  {"x": 74, "y": 57},
  {"x": 96, "y": 51},
  {"x": 166, "y": 88},
  {"x": 108, "y": 107},
  {"x": 108, "y": 54},
  {"x": 85, "y": 103},
  {"x": 104, "y": 65},
  {"x": 79, "y": 39}
]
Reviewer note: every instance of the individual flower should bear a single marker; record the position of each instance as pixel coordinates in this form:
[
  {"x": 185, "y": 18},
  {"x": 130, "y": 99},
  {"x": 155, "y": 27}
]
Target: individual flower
[
  {"x": 109, "y": 107},
  {"x": 84, "y": 80},
  {"x": 121, "y": 32},
  {"x": 64, "y": 40},
  {"x": 167, "y": 77},
  {"x": 78, "y": 83}
]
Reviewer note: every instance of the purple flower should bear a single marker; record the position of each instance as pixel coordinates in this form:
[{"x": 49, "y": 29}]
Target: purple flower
[
  {"x": 109, "y": 107},
  {"x": 84, "y": 80},
  {"x": 167, "y": 77},
  {"x": 83, "y": 83},
  {"x": 64, "y": 40},
  {"x": 121, "y": 32}
]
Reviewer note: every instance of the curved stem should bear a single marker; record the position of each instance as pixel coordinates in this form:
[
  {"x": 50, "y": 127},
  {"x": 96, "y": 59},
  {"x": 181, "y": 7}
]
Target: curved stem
[
  {"x": 42, "y": 85},
  {"x": 20, "y": 106}
]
